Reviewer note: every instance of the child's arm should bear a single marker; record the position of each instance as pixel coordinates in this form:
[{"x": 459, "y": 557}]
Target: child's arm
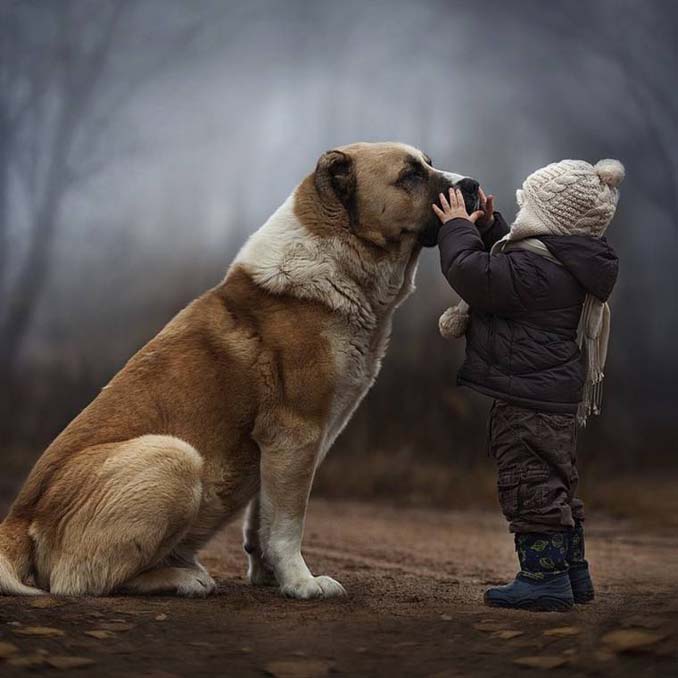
[{"x": 488, "y": 283}]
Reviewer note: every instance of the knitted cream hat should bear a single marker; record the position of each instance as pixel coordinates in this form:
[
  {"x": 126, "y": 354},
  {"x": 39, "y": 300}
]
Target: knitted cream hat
[{"x": 573, "y": 197}]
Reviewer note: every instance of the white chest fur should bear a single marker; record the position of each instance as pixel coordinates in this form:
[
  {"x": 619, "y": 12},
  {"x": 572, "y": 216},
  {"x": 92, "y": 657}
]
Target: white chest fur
[
  {"x": 284, "y": 257},
  {"x": 359, "y": 351}
]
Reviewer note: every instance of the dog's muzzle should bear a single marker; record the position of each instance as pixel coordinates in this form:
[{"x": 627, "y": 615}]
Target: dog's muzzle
[{"x": 470, "y": 192}]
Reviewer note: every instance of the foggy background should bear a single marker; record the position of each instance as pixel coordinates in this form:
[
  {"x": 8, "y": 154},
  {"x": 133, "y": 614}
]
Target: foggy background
[{"x": 142, "y": 141}]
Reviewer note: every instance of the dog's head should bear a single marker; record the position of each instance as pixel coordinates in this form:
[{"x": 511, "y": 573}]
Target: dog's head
[{"x": 385, "y": 191}]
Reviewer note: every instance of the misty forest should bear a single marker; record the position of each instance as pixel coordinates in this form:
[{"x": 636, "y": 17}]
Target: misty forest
[{"x": 143, "y": 141}]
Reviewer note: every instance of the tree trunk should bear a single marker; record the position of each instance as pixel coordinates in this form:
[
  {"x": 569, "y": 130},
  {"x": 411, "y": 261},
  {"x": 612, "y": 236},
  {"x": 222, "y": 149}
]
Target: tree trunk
[{"x": 22, "y": 300}]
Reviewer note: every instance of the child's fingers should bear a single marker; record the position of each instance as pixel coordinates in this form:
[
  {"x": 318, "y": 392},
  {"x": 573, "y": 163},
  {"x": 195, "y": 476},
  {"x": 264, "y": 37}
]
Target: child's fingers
[
  {"x": 443, "y": 201},
  {"x": 453, "y": 197},
  {"x": 482, "y": 196},
  {"x": 460, "y": 199},
  {"x": 476, "y": 215},
  {"x": 489, "y": 206},
  {"x": 439, "y": 213}
]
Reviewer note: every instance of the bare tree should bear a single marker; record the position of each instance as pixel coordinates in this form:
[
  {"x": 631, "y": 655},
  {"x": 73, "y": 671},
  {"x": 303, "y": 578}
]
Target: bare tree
[
  {"x": 638, "y": 38},
  {"x": 57, "y": 100}
]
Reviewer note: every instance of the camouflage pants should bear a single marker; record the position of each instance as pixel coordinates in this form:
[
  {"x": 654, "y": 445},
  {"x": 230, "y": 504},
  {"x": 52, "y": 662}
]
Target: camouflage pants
[{"x": 537, "y": 476}]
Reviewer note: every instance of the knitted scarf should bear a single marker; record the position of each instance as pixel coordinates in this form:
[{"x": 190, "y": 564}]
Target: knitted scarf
[{"x": 593, "y": 331}]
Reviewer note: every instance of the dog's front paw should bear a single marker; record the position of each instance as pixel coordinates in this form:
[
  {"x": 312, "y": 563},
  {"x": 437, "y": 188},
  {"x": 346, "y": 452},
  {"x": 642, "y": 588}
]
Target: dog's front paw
[{"x": 313, "y": 587}]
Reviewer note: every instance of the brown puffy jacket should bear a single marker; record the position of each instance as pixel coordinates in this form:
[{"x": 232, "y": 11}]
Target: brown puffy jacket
[{"x": 521, "y": 340}]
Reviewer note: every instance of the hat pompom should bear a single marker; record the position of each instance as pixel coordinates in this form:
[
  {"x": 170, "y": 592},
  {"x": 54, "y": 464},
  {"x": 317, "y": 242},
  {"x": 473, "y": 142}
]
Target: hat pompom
[{"x": 611, "y": 172}]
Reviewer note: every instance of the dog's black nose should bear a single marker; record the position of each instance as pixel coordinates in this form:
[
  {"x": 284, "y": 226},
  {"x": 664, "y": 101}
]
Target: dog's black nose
[{"x": 469, "y": 186}]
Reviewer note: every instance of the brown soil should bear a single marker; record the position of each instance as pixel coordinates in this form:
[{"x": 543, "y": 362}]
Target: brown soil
[{"x": 415, "y": 580}]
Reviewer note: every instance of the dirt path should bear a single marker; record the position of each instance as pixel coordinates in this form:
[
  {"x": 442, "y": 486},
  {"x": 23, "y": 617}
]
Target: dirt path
[{"x": 415, "y": 580}]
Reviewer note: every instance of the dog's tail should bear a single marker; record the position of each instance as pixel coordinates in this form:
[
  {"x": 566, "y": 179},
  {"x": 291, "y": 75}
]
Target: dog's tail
[{"x": 16, "y": 557}]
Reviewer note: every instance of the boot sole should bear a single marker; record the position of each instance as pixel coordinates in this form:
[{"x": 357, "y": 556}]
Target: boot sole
[{"x": 542, "y": 604}]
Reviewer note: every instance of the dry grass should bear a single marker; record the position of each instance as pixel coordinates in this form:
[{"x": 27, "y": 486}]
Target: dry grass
[
  {"x": 403, "y": 479},
  {"x": 647, "y": 500},
  {"x": 400, "y": 479}
]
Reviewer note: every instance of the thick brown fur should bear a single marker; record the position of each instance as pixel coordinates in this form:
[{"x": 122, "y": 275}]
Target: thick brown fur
[{"x": 234, "y": 402}]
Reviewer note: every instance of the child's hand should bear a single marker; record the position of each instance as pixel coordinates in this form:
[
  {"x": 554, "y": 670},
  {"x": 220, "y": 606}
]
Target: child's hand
[
  {"x": 487, "y": 206},
  {"x": 455, "y": 208}
]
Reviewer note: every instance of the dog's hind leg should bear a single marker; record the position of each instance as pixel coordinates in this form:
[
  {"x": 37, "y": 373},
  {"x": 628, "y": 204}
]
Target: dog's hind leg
[
  {"x": 180, "y": 573},
  {"x": 135, "y": 505},
  {"x": 192, "y": 582}
]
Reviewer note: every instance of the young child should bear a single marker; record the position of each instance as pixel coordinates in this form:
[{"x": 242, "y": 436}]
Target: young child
[{"x": 536, "y": 326}]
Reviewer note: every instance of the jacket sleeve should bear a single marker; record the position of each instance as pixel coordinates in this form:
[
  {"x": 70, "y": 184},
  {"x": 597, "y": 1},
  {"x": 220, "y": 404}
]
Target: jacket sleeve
[
  {"x": 486, "y": 282},
  {"x": 490, "y": 234}
]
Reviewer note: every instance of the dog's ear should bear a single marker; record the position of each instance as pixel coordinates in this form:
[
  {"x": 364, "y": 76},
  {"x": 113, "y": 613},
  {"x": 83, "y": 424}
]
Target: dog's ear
[{"x": 335, "y": 178}]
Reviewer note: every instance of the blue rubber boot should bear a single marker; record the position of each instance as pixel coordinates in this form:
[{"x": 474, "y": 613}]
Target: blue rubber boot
[
  {"x": 580, "y": 578},
  {"x": 543, "y": 583}
]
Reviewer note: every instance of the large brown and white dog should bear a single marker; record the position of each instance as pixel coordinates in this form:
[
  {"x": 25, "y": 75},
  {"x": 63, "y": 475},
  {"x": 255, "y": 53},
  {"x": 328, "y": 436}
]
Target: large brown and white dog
[{"x": 237, "y": 400}]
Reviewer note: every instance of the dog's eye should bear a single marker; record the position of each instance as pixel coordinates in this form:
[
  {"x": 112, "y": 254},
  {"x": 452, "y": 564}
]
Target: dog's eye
[{"x": 411, "y": 176}]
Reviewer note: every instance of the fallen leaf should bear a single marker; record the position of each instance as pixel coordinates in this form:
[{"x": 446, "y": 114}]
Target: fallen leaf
[
  {"x": 246, "y": 650},
  {"x": 541, "y": 662},
  {"x": 27, "y": 661},
  {"x": 446, "y": 617},
  {"x": 7, "y": 650},
  {"x": 44, "y": 602},
  {"x": 43, "y": 631},
  {"x": 161, "y": 617},
  {"x": 298, "y": 668},
  {"x": 116, "y": 626},
  {"x": 488, "y": 626},
  {"x": 630, "y": 640},
  {"x": 507, "y": 634},
  {"x": 100, "y": 634},
  {"x": 562, "y": 631},
  {"x": 67, "y": 663}
]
